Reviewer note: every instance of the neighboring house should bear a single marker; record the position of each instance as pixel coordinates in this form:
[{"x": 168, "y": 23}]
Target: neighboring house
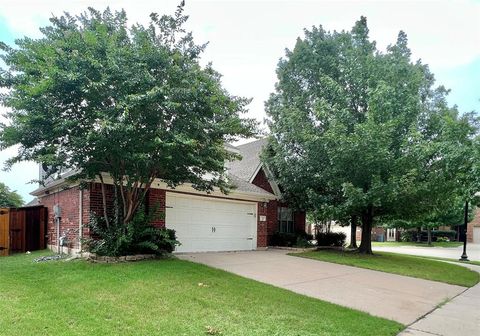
[
  {"x": 473, "y": 228},
  {"x": 244, "y": 219},
  {"x": 380, "y": 234}
]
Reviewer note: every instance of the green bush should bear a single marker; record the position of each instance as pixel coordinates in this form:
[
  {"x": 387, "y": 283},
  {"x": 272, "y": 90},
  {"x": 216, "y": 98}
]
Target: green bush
[
  {"x": 411, "y": 236},
  {"x": 407, "y": 236},
  {"x": 331, "y": 239},
  {"x": 442, "y": 239},
  {"x": 297, "y": 239},
  {"x": 450, "y": 234},
  {"x": 135, "y": 237}
]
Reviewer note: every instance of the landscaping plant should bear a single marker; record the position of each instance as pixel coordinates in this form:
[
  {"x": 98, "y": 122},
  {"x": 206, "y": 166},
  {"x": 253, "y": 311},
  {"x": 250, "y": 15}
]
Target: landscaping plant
[{"x": 137, "y": 236}]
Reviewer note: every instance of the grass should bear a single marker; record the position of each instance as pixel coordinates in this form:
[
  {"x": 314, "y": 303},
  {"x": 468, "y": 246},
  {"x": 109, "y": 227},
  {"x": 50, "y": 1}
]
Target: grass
[
  {"x": 434, "y": 244},
  {"x": 413, "y": 266},
  {"x": 161, "y": 297}
]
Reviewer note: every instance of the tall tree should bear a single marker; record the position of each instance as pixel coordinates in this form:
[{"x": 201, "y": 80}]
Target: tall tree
[
  {"x": 9, "y": 198},
  {"x": 346, "y": 122},
  {"x": 99, "y": 96}
]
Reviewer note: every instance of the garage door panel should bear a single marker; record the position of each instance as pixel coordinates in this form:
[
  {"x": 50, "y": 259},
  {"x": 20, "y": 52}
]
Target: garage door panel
[{"x": 194, "y": 217}]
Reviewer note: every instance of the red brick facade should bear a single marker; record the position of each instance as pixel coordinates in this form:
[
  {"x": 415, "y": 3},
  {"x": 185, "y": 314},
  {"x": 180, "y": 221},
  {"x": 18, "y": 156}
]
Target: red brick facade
[
  {"x": 262, "y": 226},
  {"x": 91, "y": 198},
  {"x": 261, "y": 181},
  {"x": 156, "y": 201},
  {"x": 272, "y": 221},
  {"x": 69, "y": 202}
]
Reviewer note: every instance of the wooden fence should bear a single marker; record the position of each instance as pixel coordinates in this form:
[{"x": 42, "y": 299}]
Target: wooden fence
[{"x": 22, "y": 229}]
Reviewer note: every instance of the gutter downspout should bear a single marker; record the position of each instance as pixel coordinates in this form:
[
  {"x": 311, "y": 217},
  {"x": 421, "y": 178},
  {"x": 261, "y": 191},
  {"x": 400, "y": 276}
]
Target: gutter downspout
[{"x": 57, "y": 222}]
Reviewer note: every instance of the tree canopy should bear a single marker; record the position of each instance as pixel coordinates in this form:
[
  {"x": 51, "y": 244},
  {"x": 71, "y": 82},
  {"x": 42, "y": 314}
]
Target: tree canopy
[
  {"x": 357, "y": 132},
  {"x": 9, "y": 198},
  {"x": 94, "y": 95}
]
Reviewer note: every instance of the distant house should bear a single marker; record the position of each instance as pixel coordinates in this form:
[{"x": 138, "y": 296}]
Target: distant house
[
  {"x": 473, "y": 228},
  {"x": 244, "y": 219}
]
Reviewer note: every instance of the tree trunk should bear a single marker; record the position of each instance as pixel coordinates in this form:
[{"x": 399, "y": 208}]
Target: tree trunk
[
  {"x": 419, "y": 234},
  {"x": 104, "y": 201},
  {"x": 367, "y": 223},
  {"x": 429, "y": 235},
  {"x": 353, "y": 232}
]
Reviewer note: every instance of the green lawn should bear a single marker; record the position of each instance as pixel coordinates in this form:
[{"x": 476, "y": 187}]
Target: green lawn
[
  {"x": 434, "y": 244},
  {"x": 417, "y": 267},
  {"x": 161, "y": 297}
]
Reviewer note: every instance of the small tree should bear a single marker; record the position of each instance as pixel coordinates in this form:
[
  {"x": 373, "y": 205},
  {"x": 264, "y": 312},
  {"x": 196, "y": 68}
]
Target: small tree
[
  {"x": 9, "y": 198},
  {"x": 98, "y": 96}
]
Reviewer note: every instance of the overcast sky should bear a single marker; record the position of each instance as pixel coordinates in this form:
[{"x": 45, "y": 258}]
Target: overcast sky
[{"x": 246, "y": 39}]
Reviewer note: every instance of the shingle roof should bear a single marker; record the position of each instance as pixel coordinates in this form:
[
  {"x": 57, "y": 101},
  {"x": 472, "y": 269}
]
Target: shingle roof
[
  {"x": 33, "y": 203},
  {"x": 245, "y": 186},
  {"x": 240, "y": 171},
  {"x": 246, "y": 167}
]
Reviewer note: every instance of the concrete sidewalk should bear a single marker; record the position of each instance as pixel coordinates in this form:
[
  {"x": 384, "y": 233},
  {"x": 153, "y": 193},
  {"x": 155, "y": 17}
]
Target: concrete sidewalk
[
  {"x": 473, "y": 251},
  {"x": 391, "y": 296},
  {"x": 461, "y": 316}
]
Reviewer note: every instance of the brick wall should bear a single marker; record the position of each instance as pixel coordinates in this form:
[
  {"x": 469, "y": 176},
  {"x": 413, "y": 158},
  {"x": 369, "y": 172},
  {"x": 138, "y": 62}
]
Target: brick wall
[
  {"x": 261, "y": 181},
  {"x": 272, "y": 222},
  {"x": 69, "y": 202},
  {"x": 299, "y": 218},
  {"x": 156, "y": 201},
  {"x": 262, "y": 231},
  {"x": 96, "y": 200}
]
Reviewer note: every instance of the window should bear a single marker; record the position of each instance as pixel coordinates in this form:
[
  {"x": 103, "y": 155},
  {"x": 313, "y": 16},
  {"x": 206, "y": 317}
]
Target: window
[{"x": 285, "y": 220}]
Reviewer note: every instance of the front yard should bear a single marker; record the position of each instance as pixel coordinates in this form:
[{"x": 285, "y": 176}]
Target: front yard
[
  {"x": 417, "y": 267},
  {"x": 161, "y": 297}
]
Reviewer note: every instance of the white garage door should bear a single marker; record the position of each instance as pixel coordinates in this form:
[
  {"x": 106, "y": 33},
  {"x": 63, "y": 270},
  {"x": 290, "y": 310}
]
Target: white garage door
[
  {"x": 476, "y": 235},
  {"x": 205, "y": 224}
]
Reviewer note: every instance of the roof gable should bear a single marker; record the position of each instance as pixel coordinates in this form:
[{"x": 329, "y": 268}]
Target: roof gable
[{"x": 248, "y": 166}]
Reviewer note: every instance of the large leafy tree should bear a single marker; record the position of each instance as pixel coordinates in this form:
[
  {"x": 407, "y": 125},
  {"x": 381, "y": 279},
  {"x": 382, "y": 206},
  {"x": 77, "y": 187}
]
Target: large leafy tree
[
  {"x": 9, "y": 198},
  {"x": 448, "y": 170},
  {"x": 99, "y": 96},
  {"x": 348, "y": 123}
]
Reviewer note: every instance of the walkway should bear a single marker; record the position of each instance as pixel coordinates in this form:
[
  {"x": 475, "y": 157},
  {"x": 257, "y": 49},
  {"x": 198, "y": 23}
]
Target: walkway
[
  {"x": 461, "y": 316},
  {"x": 473, "y": 251}
]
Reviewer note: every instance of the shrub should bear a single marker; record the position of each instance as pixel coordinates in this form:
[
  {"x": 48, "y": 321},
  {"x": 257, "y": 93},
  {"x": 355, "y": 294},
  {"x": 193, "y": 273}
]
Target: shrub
[
  {"x": 135, "y": 237},
  {"x": 331, "y": 239},
  {"x": 406, "y": 236},
  {"x": 450, "y": 234},
  {"x": 442, "y": 239},
  {"x": 297, "y": 239},
  {"x": 411, "y": 236}
]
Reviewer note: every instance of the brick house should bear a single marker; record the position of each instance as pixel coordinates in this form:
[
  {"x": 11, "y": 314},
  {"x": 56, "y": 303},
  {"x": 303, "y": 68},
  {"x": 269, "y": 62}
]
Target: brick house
[
  {"x": 244, "y": 219},
  {"x": 473, "y": 228}
]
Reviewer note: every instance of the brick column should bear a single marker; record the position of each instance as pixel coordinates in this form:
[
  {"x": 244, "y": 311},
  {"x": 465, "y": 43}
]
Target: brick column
[
  {"x": 261, "y": 225},
  {"x": 156, "y": 200}
]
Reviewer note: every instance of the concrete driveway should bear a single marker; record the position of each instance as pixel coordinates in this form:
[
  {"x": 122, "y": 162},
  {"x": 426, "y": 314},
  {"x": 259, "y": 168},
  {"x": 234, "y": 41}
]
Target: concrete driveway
[
  {"x": 394, "y": 297},
  {"x": 473, "y": 251}
]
